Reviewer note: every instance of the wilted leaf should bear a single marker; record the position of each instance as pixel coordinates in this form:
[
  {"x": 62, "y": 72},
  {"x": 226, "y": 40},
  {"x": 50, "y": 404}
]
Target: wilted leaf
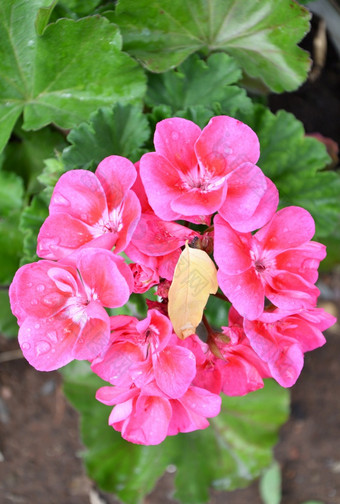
[{"x": 194, "y": 279}]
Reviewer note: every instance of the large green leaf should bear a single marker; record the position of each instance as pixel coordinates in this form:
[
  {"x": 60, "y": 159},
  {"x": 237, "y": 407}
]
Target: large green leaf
[
  {"x": 63, "y": 75},
  {"x": 260, "y": 34},
  {"x": 197, "y": 82},
  {"x": 229, "y": 454},
  {"x": 295, "y": 163},
  {"x": 121, "y": 130}
]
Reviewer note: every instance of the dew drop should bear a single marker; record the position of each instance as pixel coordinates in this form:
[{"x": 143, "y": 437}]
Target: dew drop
[
  {"x": 34, "y": 302},
  {"x": 36, "y": 326},
  {"x": 83, "y": 216},
  {"x": 43, "y": 347},
  {"x": 40, "y": 288},
  {"x": 174, "y": 135},
  {"x": 59, "y": 199},
  {"x": 29, "y": 284},
  {"x": 25, "y": 346},
  {"x": 53, "y": 336}
]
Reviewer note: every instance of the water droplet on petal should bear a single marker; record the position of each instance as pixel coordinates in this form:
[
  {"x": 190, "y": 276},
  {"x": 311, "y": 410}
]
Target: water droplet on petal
[
  {"x": 43, "y": 347},
  {"x": 40, "y": 287},
  {"x": 53, "y": 336},
  {"x": 34, "y": 302},
  {"x": 174, "y": 135},
  {"x": 29, "y": 284},
  {"x": 59, "y": 199},
  {"x": 25, "y": 346},
  {"x": 83, "y": 216},
  {"x": 36, "y": 326}
]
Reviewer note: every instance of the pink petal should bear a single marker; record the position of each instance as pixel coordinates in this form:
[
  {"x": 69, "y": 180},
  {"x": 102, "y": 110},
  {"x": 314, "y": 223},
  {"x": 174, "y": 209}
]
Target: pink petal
[
  {"x": 139, "y": 190},
  {"x": 262, "y": 214},
  {"x": 107, "y": 275},
  {"x": 94, "y": 336},
  {"x": 303, "y": 261},
  {"x": 116, "y": 175},
  {"x": 115, "y": 364},
  {"x": 130, "y": 216},
  {"x": 174, "y": 139},
  {"x": 155, "y": 237},
  {"x": 60, "y": 235},
  {"x": 245, "y": 292},
  {"x": 232, "y": 249},
  {"x": 289, "y": 228},
  {"x": 162, "y": 184},
  {"x": 225, "y": 144},
  {"x": 246, "y": 187},
  {"x": 48, "y": 344},
  {"x": 113, "y": 395},
  {"x": 79, "y": 194},
  {"x": 239, "y": 376},
  {"x": 290, "y": 292},
  {"x": 197, "y": 202},
  {"x": 149, "y": 423},
  {"x": 33, "y": 293},
  {"x": 202, "y": 402},
  {"x": 175, "y": 368},
  {"x": 157, "y": 328}
]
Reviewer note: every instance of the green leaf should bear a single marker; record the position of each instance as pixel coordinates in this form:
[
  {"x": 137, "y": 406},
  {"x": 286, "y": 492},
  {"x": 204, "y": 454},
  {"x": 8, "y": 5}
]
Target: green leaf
[
  {"x": 26, "y": 154},
  {"x": 229, "y": 454},
  {"x": 130, "y": 471},
  {"x": 63, "y": 75},
  {"x": 10, "y": 247},
  {"x": 197, "y": 82},
  {"x": 294, "y": 162},
  {"x": 43, "y": 17},
  {"x": 261, "y": 35},
  {"x": 31, "y": 221},
  {"x": 270, "y": 485},
  {"x": 54, "y": 168},
  {"x": 8, "y": 323},
  {"x": 80, "y": 7},
  {"x": 121, "y": 130},
  {"x": 11, "y": 192}
]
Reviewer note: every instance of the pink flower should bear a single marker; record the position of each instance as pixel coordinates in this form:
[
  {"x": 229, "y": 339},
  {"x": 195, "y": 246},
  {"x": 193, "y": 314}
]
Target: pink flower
[
  {"x": 147, "y": 350},
  {"x": 147, "y": 416},
  {"x": 144, "y": 278},
  {"x": 279, "y": 262},
  {"x": 156, "y": 244},
  {"x": 191, "y": 171},
  {"x": 281, "y": 339},
  {"x": 152, "y": 375},
  {"x": 86, "y": 209},
  {"x": 59, "y": 306}
]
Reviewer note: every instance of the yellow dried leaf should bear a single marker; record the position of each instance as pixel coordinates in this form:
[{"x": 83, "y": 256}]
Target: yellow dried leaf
[{"x": 194, "y": 279}]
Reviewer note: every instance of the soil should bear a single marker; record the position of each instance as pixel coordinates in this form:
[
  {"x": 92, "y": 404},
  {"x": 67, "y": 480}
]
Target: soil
[{"x": 40, "y": 451}]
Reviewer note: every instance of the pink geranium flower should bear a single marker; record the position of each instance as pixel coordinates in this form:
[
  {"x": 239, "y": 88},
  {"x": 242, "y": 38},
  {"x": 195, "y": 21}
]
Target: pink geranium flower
[
  {"x": 279, "y": 262},
  {"x": 193, "y": 171},
  {"x": 59, "y": 306},
  {"x": 96, "y": 209},
  {"x": 281, "y": 339}
]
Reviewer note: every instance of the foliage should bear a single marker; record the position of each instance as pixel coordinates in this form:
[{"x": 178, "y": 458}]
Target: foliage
[{"x": 232, "y": 451}]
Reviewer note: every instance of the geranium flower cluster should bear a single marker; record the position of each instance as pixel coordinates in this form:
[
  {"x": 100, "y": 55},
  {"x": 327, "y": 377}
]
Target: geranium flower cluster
[{"x": 122, "y": 229}]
